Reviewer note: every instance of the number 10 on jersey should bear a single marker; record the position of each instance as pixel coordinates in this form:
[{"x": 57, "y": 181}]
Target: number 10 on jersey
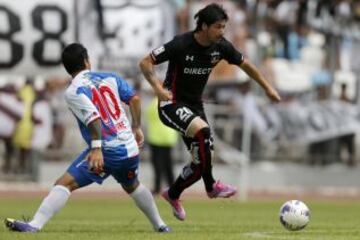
[{"x": 105, "y": 101}]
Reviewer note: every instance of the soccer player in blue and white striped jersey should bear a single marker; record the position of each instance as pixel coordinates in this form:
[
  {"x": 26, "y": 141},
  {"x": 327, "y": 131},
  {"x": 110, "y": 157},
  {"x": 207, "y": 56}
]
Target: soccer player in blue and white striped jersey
[{"x": 113, "y": 142}]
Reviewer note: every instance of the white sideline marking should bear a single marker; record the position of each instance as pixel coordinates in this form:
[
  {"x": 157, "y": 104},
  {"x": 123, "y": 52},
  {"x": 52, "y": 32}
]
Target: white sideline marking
[
  {"x": 258, "y": 235},
  {"x": 269, "y": 235}
]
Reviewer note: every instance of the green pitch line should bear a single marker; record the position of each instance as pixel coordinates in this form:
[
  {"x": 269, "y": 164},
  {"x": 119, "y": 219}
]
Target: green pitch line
[{"x": 118, "y": 219}]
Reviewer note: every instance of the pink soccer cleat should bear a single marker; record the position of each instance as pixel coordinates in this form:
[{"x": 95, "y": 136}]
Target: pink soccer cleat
[
  {"x": 178, "y": 210},
  {"x": 221, "y": 190}
]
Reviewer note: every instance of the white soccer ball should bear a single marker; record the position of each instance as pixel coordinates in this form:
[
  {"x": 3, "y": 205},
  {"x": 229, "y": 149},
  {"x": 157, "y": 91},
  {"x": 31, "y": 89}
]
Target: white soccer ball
[{"x": 294, "y": 215}]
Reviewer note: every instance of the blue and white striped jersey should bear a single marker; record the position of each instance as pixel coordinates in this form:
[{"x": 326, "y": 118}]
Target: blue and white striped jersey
[{"x": 93, "y": 95}]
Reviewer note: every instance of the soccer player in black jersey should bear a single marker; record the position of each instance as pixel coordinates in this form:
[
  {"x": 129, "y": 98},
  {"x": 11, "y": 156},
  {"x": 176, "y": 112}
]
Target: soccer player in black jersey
[{"x": 191, "y": 58}]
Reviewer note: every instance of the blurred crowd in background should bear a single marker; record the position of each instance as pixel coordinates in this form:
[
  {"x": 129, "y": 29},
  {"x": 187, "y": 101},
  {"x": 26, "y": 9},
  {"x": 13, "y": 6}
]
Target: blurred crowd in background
[{"x": 307, "y": 49}]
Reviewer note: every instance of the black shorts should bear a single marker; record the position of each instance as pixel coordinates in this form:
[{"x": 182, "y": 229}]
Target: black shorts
[{"x": 178, "y": 116}]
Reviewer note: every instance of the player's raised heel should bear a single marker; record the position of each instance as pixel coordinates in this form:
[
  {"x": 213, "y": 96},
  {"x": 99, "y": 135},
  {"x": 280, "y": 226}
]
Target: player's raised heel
[
  {"x": 221, "y": 190},
  {"x": 19, "y": 226},
  {"x": 178, "y": 210}
]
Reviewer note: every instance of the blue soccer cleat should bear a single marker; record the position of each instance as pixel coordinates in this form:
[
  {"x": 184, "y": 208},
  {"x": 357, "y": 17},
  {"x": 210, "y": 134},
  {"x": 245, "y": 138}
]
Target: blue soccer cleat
[
  {"x": 164, "y": 229},
  {"x": 19, "y": 226}
]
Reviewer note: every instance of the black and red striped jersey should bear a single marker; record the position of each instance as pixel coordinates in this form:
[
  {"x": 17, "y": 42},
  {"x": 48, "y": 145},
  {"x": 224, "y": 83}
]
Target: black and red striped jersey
[{"x": 190, "y": 64}]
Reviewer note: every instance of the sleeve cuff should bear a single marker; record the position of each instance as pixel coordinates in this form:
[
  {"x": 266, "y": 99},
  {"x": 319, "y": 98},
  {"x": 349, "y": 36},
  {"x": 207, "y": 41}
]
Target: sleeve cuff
[{"x": 92, "y": 120}]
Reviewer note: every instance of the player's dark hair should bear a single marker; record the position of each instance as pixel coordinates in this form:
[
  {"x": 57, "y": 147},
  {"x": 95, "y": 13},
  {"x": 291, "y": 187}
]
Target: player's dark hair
[
  {"x": 73, "y": 58},
  {"x": 210, "y": 15}
]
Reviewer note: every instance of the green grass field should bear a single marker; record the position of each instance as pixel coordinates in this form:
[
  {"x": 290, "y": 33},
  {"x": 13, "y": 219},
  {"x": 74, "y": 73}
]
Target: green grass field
[{"x": 118, "y": 219}]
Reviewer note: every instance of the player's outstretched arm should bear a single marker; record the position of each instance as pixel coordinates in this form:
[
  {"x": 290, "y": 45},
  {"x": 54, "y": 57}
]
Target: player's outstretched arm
[
  {"x": 147, "y": 68},
  {"x": 135, "y": 111},
  {"x": 252, "y": 71}
]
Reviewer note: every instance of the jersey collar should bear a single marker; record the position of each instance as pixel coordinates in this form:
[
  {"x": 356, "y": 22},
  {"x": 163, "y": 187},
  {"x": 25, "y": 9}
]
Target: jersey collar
[{"x": 80, "y": 75}]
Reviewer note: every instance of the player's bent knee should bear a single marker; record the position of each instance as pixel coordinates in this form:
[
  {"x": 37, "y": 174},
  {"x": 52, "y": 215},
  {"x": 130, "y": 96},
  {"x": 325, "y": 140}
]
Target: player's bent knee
[
  {"x": 67, "y": 181},
  {"x": 195, "y": 126},
  {"x": 130, "y": 188},
  {"x": 204, "y": 133}
]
